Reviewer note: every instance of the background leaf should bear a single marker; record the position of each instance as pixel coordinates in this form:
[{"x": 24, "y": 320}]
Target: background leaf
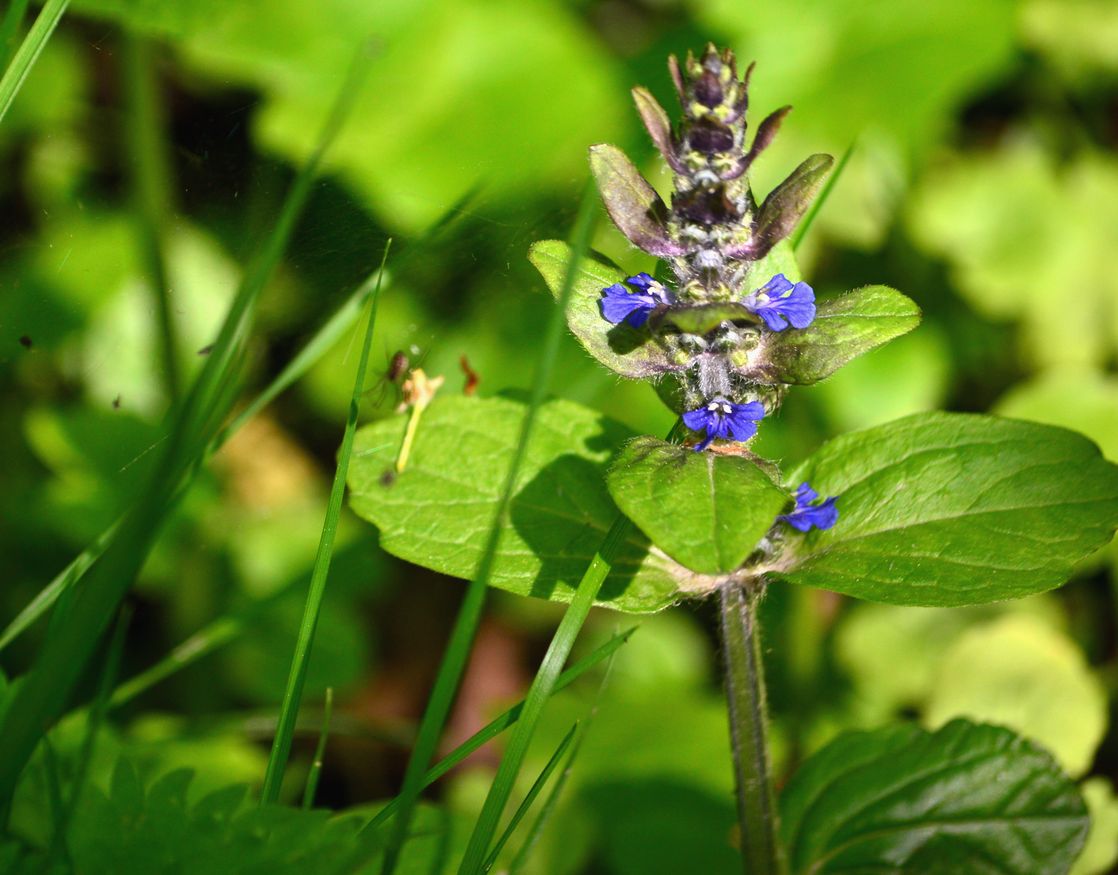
[
  {"x": 892, "y": 800},
  {"x": 1033, "y": 680},
  {"x": 954, "y": 509}
]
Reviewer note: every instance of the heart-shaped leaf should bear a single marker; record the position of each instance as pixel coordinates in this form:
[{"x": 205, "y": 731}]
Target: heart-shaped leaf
[
  {"x": 438, "y": 511},
  {"x": 954, "y": 509},
  {"x": 844, "y": 328},
  {"x": 968, "y": 798},
  {"x": 707, "y": 511},
  {"x": 630, "y": 352}
]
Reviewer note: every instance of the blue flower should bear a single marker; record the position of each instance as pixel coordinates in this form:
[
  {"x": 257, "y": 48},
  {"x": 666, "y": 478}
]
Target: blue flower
[
  {"x": 779, "y": 303},
  {"x": 618, "y": 304},
  {"x": 807, "y": 514},
  {"x": 720, "y": 418}
]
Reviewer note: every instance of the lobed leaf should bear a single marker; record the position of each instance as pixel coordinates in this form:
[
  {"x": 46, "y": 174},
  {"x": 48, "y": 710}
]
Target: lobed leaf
[
  {"x": 437, "y": 512},
  {"x": 953, "y": 509},
  {"x": 967, "y": 798},
  {"x": 627, "y": 351},
  {"x": 706, "y": 511},
  {"x": 844, "y": 328}
]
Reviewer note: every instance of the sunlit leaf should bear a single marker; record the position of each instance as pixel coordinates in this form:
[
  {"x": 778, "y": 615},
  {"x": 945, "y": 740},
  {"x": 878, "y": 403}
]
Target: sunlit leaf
[
  {"x": 437, "y": 512},
  {"x": 706, "y": 511},
  {"x": 954, "y": 509}
]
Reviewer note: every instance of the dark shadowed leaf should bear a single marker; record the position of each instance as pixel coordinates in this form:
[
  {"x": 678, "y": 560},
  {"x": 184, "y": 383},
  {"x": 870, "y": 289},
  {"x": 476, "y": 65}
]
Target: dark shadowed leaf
[
  {"x": 968, "y": 798},
  {"x": 437, "y": 512},
  {"x": 844, "y": 328},
  {"x": 706, "y": 511},
  {"x": 630, "y": 352},
  {"x": 954, "y": 509}
]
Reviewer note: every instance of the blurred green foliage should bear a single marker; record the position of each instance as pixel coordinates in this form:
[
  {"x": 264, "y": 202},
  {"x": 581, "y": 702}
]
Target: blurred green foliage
[{"x": 983, "y": 183}]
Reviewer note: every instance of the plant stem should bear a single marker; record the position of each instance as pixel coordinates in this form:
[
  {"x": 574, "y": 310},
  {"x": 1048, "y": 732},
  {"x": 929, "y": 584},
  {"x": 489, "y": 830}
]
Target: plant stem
[{"x": 761, "y": 852}]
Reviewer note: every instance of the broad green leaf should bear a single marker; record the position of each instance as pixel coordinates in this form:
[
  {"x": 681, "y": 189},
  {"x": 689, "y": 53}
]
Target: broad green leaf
[
  {"x": 705, "y": 510},
  {"x": 448, "y": 104},
  {"x": 953, "y": 509},
  {"x": 844, "y": 328},
  {"x": 904, "y": 801},
  {"x": 437, "y": 512},
  {"x": 1033, "y": 680},
  {"x": 629, "y": 351}
]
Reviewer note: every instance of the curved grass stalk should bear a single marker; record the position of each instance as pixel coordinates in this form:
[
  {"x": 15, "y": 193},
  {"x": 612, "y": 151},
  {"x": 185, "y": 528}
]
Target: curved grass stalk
[
  {"x": 293, "y": 693},
  {"x": 29, "y": 50},
  {"x": 469, "y": 615},
  {"x": 40, "y": 695}
]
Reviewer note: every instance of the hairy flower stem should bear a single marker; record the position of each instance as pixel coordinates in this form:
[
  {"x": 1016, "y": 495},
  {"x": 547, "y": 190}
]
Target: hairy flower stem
[{"x": 761, "y": 852}]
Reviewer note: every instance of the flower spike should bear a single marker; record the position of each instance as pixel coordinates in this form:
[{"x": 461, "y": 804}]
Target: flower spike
[
  {"x": 780, "y": 303},
  {"x": 721, "y": 418},
  {"x": 807, "y": 513}
]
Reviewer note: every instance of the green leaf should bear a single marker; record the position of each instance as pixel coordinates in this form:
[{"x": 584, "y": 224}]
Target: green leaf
[
  {"x": 628, "y": 351},
  {"x": 438, "y": 511},
  {"x": 1034, "y": 680},
  {"x": 705, "y": 510},
  {"x": 844, "y": 328},
  {"x": 701, "y": 318},
  {"x": 901, "y": 800},
  {"x": 953, "y": 509}
]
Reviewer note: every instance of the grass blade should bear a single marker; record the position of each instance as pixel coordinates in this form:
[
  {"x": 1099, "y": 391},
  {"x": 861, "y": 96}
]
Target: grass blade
[
  {"x": 289, "y": 710},
  {"x": 49, "y": 594},
  {"x": 94, "y": 718},
  {"x": 311, "y": 353},
  {"x": 150, "y": 184},
  {"x": 498, "y": 725},
  {"x": 530, "y": 797},
  {"x": 39, "y": 696},
  {"x": 319, "y": 751},
  {"x": 543, "y": 687},
  {"x": 806, "y": 222},
  {"x": 9, "y": 29},
  {"x": 469, "y": 615},
  {"x": 521, "y": 859},
  {"x": 29, "y": 50}
]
